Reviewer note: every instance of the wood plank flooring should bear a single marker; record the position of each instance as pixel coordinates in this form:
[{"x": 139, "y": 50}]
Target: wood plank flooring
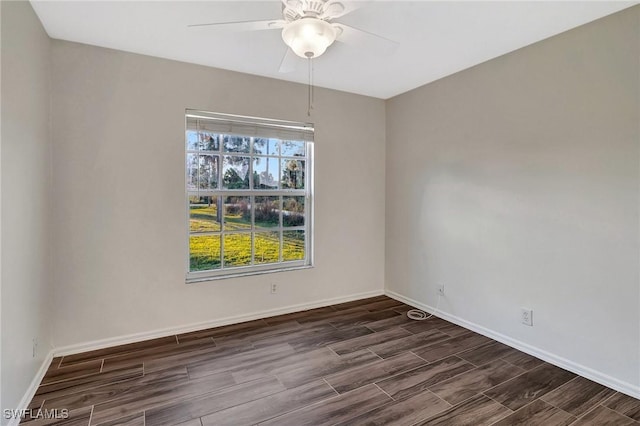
[{"x": 357, "y": 363}]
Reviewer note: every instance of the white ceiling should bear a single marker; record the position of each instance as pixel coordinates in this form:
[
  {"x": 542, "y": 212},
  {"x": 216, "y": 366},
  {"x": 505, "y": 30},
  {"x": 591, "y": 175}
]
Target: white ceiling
[{"x": 436, "y": 38}]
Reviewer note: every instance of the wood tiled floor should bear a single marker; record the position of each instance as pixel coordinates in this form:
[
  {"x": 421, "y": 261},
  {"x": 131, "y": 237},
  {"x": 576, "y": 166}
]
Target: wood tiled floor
[{"x": 357, "y": 363}]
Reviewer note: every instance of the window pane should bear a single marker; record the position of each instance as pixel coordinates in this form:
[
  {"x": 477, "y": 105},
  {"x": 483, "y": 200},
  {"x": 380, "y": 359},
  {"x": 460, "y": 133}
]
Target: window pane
[
  {"x": 263, "y": 146},
  {"x": 267, "y": 247},
  {"x": 266, "y": 172},
  {"x": 237, "y": 249},
  {"x": 236, "y": 144},
  {"x": 204, "y": 251},
  {"x": 202, "y": 172},
  {"x": 192, "y": 172},
  {"x": 293, "y": 211},
  {"x": 209, "y": 141},
  {"x": 292, "y": 245},
  {"x": 267, "y": 212},
  {"x": 292, "y": 148},
  {"x": 292, "y": 174},
  {"x": 235, "y": 172},
  {"x": 192, "y": 140},
  {"x": 237, "y": 213},
  {"x": 203, "y": 214},
  {"x": 202, "y": 141},
  {"x": 208, "y": 171}
]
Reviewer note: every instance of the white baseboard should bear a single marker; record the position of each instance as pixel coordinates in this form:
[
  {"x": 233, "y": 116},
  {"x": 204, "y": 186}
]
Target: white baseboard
[
  {"x": 138, "y": 337},
  {"x": 33, "y": 387},
  {"x": 591, "y": 374}
]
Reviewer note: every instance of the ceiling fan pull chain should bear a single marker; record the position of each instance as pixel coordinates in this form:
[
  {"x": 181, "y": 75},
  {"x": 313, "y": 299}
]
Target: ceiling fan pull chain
[{"x": 310, "y": 87}]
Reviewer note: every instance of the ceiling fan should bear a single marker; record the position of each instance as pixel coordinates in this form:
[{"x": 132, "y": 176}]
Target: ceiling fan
[{"x": 308, "y": 29}]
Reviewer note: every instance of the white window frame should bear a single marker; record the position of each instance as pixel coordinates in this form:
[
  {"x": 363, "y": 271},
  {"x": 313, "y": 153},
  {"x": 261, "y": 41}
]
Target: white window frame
[{"x": 251, "y": 127}]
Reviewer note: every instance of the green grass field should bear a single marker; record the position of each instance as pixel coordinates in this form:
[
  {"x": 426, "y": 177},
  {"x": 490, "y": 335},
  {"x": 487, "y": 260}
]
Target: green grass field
[{"x": 205, "y": 249}]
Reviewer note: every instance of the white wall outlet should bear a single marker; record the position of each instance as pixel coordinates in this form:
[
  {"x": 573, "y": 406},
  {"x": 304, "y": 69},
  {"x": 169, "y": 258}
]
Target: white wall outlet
[
  {"x": 34, "y": 352},
  {"x": 274, "y": 288},
  {"x": 440, "y": 289},
  {"x": 526, "y": 316}
]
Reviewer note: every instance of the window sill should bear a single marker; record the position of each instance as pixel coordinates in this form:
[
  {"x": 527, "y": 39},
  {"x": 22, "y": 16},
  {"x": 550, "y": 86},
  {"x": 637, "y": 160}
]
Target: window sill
[{"x": 244, "y": 274}]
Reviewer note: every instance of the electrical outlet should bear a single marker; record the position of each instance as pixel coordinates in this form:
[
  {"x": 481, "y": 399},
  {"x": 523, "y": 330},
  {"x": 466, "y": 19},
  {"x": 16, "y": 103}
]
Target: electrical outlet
[
  {"x": 526, "y": 316},
  {"x": 441, "y": 289},
  {"x": 274, "y": 288},
  {"x": 35, "y": 347}
]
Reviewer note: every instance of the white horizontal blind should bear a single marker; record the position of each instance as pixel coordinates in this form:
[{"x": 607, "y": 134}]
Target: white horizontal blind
[{"x": 228, "y": 124}]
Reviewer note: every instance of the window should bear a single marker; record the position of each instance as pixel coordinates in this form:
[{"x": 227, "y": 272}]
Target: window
[{"x": 249, "y": 199}]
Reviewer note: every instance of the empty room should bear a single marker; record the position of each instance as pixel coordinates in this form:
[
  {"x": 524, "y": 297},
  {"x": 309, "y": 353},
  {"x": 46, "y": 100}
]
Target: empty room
[{"x": 319, "y": 212}]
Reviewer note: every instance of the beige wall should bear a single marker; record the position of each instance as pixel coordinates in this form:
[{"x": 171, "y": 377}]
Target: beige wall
[
  {"x": 516, "y": 184},
  {"x": 119, "y": 209},
  {"x": 26, "y": 176}
]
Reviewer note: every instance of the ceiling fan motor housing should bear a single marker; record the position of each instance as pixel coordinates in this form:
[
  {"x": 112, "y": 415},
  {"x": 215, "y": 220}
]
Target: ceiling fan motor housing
[{"x": 296, "y": 9}]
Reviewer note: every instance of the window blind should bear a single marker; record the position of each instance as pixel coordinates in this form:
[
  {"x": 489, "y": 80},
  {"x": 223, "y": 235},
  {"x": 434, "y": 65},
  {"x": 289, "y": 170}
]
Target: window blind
[{"x": 238, "y": 125}]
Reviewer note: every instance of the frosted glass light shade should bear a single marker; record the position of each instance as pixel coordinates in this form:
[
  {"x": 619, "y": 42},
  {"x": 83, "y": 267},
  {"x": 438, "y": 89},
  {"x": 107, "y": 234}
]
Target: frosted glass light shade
[{"x": 309, "y": 37}]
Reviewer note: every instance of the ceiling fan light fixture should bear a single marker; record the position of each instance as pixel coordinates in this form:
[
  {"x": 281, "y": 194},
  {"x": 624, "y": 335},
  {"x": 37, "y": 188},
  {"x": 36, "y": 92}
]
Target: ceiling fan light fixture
[{"x": 309, "y": 37}]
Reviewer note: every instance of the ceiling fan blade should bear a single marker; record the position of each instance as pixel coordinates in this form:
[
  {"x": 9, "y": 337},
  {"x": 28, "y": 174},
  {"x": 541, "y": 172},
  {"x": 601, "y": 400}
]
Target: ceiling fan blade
[
  {"x": 289, "y": 62},
  {"x": 336, "y": 9},
  {"x": 366, "y": 40},
  {"x": 243, "y": 25}
]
